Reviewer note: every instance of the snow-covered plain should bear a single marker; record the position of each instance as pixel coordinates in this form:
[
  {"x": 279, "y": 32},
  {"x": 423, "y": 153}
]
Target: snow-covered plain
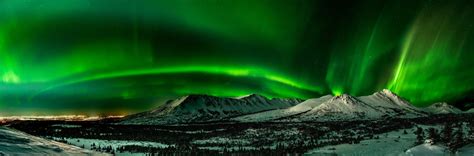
[
  {"x": 87, "y": 143},
  {"x": 13, "y": 142},
  {"x": 114, "y": 144},
  {"x": 467, "y": 150},
  {"x": 387, "y": 144},
  {"x": 428, "y": 149},
  {"x": 393, "y": 143}
]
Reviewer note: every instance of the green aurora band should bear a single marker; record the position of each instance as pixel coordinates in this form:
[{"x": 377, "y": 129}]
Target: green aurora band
[{"x": 109, "y": 56}]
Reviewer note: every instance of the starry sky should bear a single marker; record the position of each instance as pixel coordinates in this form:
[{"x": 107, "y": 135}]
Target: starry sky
[{"x": 125, "y": 56}]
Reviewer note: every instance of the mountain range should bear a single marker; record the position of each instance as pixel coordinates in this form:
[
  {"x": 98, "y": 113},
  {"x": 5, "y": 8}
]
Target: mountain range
[
  {"x": 343, "y": 107},
  {"x": 205, "y": 108},
  {"x": 257, "y": 108}
]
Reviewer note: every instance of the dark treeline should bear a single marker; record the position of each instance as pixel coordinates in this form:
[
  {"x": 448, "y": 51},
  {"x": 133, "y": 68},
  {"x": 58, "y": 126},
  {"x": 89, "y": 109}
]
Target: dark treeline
[{"x": 453, "y": 135}]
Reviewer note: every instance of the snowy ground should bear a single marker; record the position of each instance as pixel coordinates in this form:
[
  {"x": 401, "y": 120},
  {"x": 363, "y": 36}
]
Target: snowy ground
[
  {"x": 387, "y": 144},
  {"x": 329, "y": 138},
  {"x": 13, "y": 142},
  {"x": 466, "y": 150},
  {"x": 88, "y": 144},
  {"x": 428, "y": 149},
  {"x": 393, "y": 143}
]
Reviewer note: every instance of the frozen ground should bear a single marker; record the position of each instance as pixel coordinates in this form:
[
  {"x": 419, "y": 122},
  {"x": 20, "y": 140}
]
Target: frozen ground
[
  {"x": 387, "y": 144},
  {"x": 393, "y": 143},
  {"x": 379, "y": 137},
  {"x": 13, "y": 142},
  {"x": 467, "y": 150},
  {"x": 90, "y": 143},
  {"x": 87, "y": 143},
  {"x": 428, "y": 149}
]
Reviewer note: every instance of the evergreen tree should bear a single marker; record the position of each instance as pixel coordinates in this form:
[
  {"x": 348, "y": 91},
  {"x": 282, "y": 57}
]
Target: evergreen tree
[
  {"x": 470, "y": 134},
  {"x": 419, "y": 136},
  {"x": 458, "y": 139},
  {"x": 433, "y": 135},
  {"x": 447, "y": 133}
]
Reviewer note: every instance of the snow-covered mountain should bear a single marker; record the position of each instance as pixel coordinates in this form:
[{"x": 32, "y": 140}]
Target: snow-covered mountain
[
  {"x": 13, "y": 142},
  {"x": 343, "y": 107},
  {"x": 469, "y": 111},
  {"x": 393, "y": 105},
  {"x": 257, "y": 108},
  {"x": 442, "y": 108},
  {"x": 205, "y": 108},
  {"x": 285, "y": 112}
]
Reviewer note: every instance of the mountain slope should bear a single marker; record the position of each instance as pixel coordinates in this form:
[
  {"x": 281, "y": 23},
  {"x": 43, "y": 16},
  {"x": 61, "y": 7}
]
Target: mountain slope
[
  {"x": 343, "y": 107},
  {"x": 442, "y": 108},
  {"x": 204, "y": 108},
  {"x": 392, "y": 105},
  {"x": 469, "y": 111},
  {"x": 256, "y": 108},
  {"x": 282, "y": 113},
  {"x": 376, "y": 106},
  {"x": 14, "y": 142}
]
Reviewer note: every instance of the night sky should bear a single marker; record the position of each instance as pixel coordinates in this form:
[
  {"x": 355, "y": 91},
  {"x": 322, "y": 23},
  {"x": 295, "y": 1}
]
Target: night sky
[{"x": 124, "y": 56}]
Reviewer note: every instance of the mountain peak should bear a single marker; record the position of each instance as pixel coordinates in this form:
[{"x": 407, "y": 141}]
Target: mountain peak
[
  {"x": 390, "y": 96},
  {"x": 198, "y": 96},
  {"x": 442, "y": 108},
  {"x": 345, "y": 98},
  {"x": 440, "y": 104},
  {"x": 191, "y": 98},
  {"x": 203, "y": 108},
  {"x": 255, "y": 96},
  {"x": 386, "y": 92}
]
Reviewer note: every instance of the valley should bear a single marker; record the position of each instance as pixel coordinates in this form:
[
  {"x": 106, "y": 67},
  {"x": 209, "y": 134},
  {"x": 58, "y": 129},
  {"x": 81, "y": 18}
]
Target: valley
[{"x": 232, "y": 137}]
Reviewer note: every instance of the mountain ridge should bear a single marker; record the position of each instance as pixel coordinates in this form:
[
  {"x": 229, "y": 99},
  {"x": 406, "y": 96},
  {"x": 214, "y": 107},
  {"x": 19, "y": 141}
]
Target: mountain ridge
[
  {"x": 206, "y": 108},
  {"x": 197, "y": 108}
]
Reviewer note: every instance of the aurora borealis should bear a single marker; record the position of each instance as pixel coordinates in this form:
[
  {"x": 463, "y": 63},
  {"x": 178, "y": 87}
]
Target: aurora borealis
[{"x": 109, "y": 56}]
